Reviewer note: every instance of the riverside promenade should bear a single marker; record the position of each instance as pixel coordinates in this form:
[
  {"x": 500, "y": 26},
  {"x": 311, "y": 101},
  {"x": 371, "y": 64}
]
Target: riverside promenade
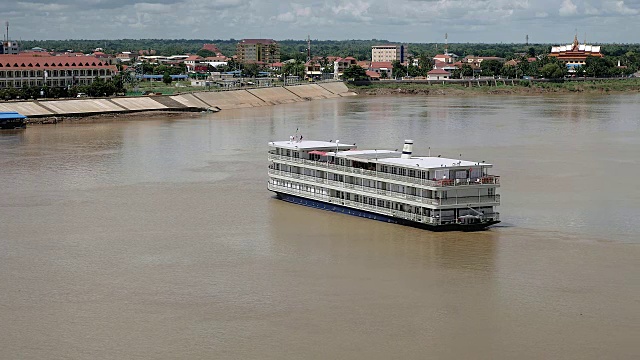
[{"x": 195, "y": 101}]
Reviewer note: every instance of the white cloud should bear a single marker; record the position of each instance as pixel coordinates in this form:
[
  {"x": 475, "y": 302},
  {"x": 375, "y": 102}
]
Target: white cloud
[
  {"x": 395, "y": 20},
  {"x": 568, "y": 8}
]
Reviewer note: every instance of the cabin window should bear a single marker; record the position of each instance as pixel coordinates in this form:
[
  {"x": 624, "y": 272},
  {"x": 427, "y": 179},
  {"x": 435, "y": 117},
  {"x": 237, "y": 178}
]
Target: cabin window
[
  {"x": 491, "y": 191},
  {"x": 296, "y": 154}
]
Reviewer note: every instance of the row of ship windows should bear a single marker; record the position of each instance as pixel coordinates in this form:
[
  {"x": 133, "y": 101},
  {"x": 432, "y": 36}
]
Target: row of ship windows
[
  {"x": 424, "y": 193},
  {"x": 426, "y": 175},
  {"x": 315, "y": 190}
]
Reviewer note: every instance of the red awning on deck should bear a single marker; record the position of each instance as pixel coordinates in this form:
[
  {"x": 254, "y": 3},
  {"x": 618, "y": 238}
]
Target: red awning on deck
[{"x": 317, "y": 152}]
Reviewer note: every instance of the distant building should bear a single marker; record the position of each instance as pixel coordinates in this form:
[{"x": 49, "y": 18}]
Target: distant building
[
  {"x": 475, "y": 61},
  {"x": 276, "y": 66},
  {"x": 312, "y": 69},
  {"x": 192, "y": 61},
  {"x": 106, "y": 58},
  {"x": 216, "y": 61},
  {"x": 213, "y": 48},
  {"x": 125, "y": 56},
  {"x": 438, "y": 74},
  {"x": 265, "y": 51},
  {"x": 387, "y": 53},
  {"x": 575, "y": 55},
  {"x": 446, "y": 58},
  {"x": 342, "y": 63},
  {"x": 18, "y": 71},
  {"x": 381, "y": 67},
  {"x": 10, "y": 47}
]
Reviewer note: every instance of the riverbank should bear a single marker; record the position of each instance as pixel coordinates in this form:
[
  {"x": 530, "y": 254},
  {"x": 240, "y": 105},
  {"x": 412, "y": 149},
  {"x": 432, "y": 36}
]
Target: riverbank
[
  {"x": 50, "y": 110},
  {"x": 110, "y": 117},
  {"x": 499, "y": 87}
]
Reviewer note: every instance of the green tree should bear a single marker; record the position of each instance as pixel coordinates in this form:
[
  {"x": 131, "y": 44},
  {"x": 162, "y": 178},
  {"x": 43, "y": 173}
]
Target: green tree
[
  {"x": 467, "y": 70},
  {"x": 355, "y": 72},
  {"x": 598, "y": 67},
  {"x": 166, "y": 78},
  {"x": 250, "y": 70},
  {"x": 552, "y": 71},
  {"x": 399, "y": 70},
  {"x": 491, "y": 67}
]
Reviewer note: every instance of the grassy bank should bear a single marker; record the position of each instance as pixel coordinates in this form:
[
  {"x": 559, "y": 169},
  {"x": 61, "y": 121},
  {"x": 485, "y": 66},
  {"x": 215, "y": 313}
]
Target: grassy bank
[{"x": 519, "y": 87}]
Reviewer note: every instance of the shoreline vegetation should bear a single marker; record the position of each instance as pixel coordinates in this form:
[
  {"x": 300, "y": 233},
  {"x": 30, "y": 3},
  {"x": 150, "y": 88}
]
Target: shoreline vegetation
[{"x": 521, "y": 87}]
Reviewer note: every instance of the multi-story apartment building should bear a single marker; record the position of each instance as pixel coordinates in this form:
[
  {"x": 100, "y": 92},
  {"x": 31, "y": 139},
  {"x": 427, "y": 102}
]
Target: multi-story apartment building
[
  {"x": 18, "y": 71},
  {"x": 9, "y": 47},
  {"x": 387, "y": 53},
  {"x": 265, "y": 51}
]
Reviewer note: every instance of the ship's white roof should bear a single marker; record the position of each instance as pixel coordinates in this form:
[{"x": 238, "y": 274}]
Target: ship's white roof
[
  {"x": 367, "y": 154},
  {"x": 309, "y": 144},
  {"x": 430, "y": 162},
  {"x": 382, "y": 156},
  {"x": 393, "y": 158}
]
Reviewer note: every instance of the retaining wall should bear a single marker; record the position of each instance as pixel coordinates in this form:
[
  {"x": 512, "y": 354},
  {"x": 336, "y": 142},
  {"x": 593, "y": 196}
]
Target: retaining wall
[{"x": 212, "y": 100}]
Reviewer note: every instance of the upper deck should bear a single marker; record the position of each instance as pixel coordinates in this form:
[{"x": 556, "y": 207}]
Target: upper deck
[{"x": 347, "y": 155}]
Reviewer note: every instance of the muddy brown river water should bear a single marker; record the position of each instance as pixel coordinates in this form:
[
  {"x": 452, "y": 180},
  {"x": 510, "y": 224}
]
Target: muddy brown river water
[{"x": 157, "y": 238}]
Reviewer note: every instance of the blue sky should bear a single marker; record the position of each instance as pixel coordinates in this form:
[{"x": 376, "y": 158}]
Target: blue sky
[{"x": 545, "y": 21}]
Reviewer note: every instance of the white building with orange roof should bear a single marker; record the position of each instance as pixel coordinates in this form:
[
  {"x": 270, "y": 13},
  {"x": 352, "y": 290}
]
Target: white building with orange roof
[
  {"x": 438, "y": 74},
  {"x": 18, "y": 71},
  {"x": 381, "y": 67},
  {"x": 341, "y": 64}
]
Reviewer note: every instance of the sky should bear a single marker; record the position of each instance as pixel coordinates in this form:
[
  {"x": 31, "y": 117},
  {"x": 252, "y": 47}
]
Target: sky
[{"x": 408, "y": 21}]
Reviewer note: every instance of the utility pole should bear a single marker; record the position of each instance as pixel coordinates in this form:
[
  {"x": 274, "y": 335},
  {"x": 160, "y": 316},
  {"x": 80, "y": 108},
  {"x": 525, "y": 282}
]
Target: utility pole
[
  {"x": 308, "y": 48},
  {"x": 446, "y": 44},
  {"x": 527, "y": 40}
]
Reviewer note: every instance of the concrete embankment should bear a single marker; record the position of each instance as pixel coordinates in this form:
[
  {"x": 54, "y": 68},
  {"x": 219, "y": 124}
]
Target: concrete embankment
[{"x": 196, "y": 101}]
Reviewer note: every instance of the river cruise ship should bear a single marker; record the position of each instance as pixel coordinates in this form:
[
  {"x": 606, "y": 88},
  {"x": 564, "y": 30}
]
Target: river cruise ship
[{"x": 428, "y": 192}]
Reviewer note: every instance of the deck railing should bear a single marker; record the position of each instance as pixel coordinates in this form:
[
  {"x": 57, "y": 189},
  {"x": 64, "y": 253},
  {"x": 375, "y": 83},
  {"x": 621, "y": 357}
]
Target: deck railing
[
  {"x": 467, "y": 200},
  {"x": 321, "y": 165}
]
